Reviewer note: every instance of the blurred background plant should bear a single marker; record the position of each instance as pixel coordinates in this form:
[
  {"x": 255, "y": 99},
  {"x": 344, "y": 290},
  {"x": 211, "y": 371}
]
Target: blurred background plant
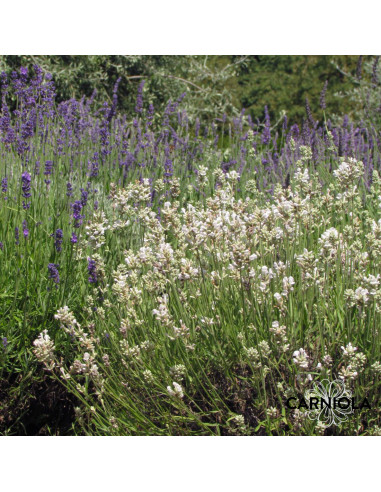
[
  {"x": 166, "y": 77},
  {"x": 218, "y": 84},
  {"x": 364, "y": 95}
]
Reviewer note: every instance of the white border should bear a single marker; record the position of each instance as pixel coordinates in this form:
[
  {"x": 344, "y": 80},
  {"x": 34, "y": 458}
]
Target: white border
[
  {"x": 189, "y": 464},
  {"x": 141, "y": 27},
  {"x": 198, "y": 27}
]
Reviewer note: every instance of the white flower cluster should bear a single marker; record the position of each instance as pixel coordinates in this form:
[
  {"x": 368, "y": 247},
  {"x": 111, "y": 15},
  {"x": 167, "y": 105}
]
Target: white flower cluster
[
  {"x": 349, "y": 172},
  {"x": 95, "y": 230},
  {"x": 44, "y": 350},
  {"x": 301, "y": 358},
  {"x": 176, "y": 391}
]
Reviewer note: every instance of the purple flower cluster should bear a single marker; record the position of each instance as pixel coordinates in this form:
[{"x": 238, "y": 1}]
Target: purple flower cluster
[
  {"x": 114, "y": 100},
  {"x": 4, "y": 185},
  {"x": 168, "y": 169},
  {"x": 84, "y": 197},
  {"x": 53, "y": 273},
  {"x": 35, "y": 94},
  {"x": 48, "y": 170},
  {"x": 94, "y": 165},
  {"x": 150, "y": 115},
  {"x": 98, "y": 143},
  {"x": 92, "y": 269},
  {"x": 25, "y": 184},
  {"x": 25, "y": 229},
  {"x": 58, "y": 238},
  {"x": 78, "y": 218}
]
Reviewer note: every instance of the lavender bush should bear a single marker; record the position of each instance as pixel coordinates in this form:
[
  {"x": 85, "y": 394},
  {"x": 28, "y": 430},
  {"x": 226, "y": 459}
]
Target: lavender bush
[{"x": 182, "y": 278}]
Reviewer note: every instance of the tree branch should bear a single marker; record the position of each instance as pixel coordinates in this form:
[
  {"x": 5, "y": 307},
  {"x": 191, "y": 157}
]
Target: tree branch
[{"x": 170, "y": 77}]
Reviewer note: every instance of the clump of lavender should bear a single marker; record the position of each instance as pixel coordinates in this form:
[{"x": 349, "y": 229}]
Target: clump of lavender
[
  {"x": 25, "y": 229},
  {"x": 26, "y": 179},
  {"x": 168, "y": 169},
  {"x": 58, "y": 238},
  {"x": 114, "y": 100},
  {"x": 84, "y": 197},
  {"x": 74, "y": 238},
  {"x": 309, "y": 113},
  {"x": 150, "y": 115},
  {"x": 4, "y": 341},
  {"x": 69, "y": 189},
  {"x": 1, "y": 246},
  {"x": 78, "y": 218},
  {"x": 48, "y": 170},
  {"x": 4, "y": 185},
  {"x": 171, "y": 109},
  {"x": 92, "y": 269},
  {"x": 94, "y": 165},
  {"x": 53, "y": 272}
]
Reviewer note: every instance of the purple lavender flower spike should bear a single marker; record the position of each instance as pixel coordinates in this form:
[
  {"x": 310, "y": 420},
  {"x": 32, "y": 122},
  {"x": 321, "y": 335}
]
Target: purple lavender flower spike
[
  {"x": 92, "y": 269},
  {"x": 48, "y": 170},
  {"x": 25, "y": 229},
  {"x": 69, "y": 189},
  {"x": 58, "y": 236},
  {"x": 53, "y": 272},
  {"x": 26, "y": 179},
  {"x": 84, "y": 197},
  {"x": 150, "y": 115},
  {"x": 168, "y": 169},
  {"x": 78, "y": 218}
]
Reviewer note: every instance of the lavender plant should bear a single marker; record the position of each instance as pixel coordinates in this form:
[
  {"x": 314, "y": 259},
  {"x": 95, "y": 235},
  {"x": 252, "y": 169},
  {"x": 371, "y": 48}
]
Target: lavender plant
[{"x": 183, "y": 279}]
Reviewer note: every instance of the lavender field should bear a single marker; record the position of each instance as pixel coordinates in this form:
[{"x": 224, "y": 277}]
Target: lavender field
[{"x": 168, "y": 275}]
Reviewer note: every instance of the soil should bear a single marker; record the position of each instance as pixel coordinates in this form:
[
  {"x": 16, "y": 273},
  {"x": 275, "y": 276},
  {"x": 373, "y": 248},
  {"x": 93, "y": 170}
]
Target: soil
[{"x": 44, "y": 408}]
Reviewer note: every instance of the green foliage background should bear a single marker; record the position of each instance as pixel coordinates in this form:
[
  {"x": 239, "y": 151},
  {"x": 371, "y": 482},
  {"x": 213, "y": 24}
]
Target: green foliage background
[{"x": 214, "y": 84}]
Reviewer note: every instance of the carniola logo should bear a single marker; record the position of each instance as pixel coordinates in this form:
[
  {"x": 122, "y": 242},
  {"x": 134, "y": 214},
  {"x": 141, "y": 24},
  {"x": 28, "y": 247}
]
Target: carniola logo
[
  {"x": 328, "y": 402},
  {"x": 333, "y": 402}
]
